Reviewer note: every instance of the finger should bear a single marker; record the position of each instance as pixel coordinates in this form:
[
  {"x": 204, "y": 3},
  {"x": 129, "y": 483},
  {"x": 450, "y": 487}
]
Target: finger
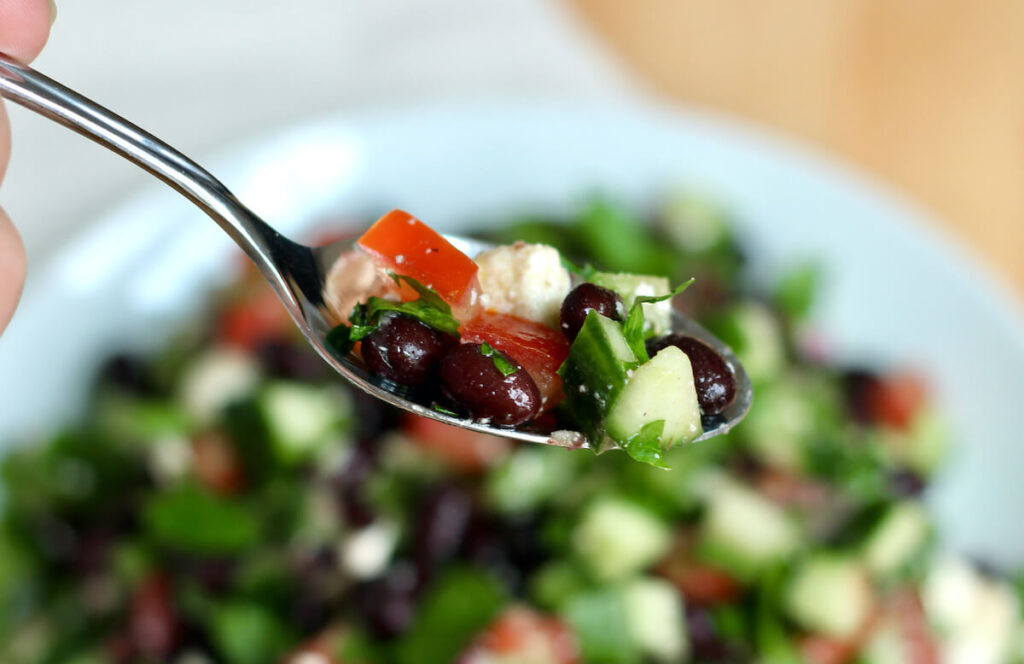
[
  {"x": 12, "y": 269},
  {"x": 5, "y": 140},
  {"x": 24, "y": 27}
]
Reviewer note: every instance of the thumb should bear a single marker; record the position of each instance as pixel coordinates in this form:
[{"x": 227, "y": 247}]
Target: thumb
[
  {"x": 24, "y": 27},
  {"x": 12, "y": 269}
]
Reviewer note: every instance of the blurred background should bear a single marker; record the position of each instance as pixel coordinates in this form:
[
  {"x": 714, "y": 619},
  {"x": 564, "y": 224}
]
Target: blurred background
[{"x": 925, "y": 96}]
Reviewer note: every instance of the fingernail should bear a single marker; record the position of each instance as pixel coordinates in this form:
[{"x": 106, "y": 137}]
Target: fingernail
[{"x": 53, "y": 11}]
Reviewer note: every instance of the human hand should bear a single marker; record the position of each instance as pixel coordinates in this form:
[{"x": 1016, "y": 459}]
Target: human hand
[{"x": 24, "y": 28}]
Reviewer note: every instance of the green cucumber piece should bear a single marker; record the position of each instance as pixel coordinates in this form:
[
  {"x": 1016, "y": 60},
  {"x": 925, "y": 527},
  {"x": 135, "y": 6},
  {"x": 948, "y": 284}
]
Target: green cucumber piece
[
  {"x": 660, "y": 390},
  {"x": 617, "y": 538},
  {"x": 644, "y": 408},
  {"x": 215, "y": 380},
  {"x": 693, "y": 222},
  {"x": 657, "y": 315},
  {"x": 829, "y": 594},
  {"x": 656, "y": 620},
  {"x": 529, "y": 477},
  {"x": 923, "y": 447},
  {"x": 901, "y": 534},
  {"x": 556, "y": 583},
  {"x": 887, "y": 644},
  {"x": 778, "y": 429},
  {"x": 744, "y": 532},
  {"x": 595, "y": 373},
  {"x": 301, "y": 419},
  {"x": 753, "y": 332},
  {"x": 598, "y": 619}
]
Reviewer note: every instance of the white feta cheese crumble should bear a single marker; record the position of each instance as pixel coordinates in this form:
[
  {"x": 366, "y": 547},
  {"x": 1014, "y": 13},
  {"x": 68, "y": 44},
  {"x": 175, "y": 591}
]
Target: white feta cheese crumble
[
  {"x": 976, "y": 615},
  {"x": 220, "y": 376},
  {"x": 366, "y": 552},
  {"x": 524, "y": 280},
  {"x": 657, "y": 315},
  {"x": 169, "y": 458}
]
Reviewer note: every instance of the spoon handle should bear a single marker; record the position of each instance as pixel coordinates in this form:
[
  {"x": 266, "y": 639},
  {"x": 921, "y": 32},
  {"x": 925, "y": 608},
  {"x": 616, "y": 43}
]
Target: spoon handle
[{"x": 31, "y": 89}]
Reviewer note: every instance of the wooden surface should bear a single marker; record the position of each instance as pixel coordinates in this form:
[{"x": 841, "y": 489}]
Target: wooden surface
[{"x": 926, "y": 94}]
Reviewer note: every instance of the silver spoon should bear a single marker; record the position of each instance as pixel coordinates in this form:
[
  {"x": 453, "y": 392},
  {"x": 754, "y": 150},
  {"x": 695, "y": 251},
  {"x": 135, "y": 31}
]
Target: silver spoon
[{"x": 296, "y": 272}]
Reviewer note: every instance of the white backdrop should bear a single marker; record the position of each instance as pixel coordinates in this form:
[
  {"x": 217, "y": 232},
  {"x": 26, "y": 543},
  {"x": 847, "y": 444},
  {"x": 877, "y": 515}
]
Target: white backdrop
[{"x": 203, "y": 74}]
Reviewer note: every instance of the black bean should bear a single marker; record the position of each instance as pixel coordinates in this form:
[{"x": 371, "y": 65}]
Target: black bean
[
  {"x": 707, "y": 644},
  {"x": 511, "y": 548},
  {"x": 471, "y": 378},
  {"x": 213, "y": 574},
  {"x": 309, "y": 612},
  {"x": 404, "y": 350},
  {"x": 584, "y": 298},
  {"x": 128, "y": 372},
  {"x": 285, "y": 359},
  {"x": 350, "y": 486},
  {"x": 388, "y": 604},
  {"x": 858, "y": 384},
  {"x": 375, "y": 417},
  {"x": 905, "y": 483},
  {"x": 714, "y": 380},
  {"x": 441, "y": 525}
]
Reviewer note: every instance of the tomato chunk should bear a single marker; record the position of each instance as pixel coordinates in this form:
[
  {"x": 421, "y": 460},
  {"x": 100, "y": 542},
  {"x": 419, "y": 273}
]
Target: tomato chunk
[
  {"x": 523, "y": 635},
  {"x": 257, "y": 317},
  {"x": 405, "y": 245},
  {"x": 461, "y": 449},
  {"x": 700, "y": 583},
  {"x": 897, "y": 398},
  {"x": 537, "y": 347},
  {"x": 818, "y": 649}
]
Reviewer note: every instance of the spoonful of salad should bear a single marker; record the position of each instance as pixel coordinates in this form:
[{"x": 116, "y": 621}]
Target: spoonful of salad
[{"x": 504, "y": 340}]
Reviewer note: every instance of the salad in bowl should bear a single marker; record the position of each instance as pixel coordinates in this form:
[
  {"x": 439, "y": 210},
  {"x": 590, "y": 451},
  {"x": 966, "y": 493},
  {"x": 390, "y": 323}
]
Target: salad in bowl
[{"x": 228, "y": 499}]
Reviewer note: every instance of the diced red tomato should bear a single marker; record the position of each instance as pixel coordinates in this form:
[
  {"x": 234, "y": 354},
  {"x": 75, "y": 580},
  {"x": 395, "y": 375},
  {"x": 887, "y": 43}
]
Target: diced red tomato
[
  {"x": 462, "y": 449},
  {"x": 152, "y": 620},
  {"x": 791, "y": 490},
  {"x": 405, "y": 245},
  {"x": 254, "y": 319},
  {"x": 700, "y": 583},
  {"x": 919, "y": 643},
  {"x": 537, "y": 347},
  {"x": 216, "y": 464},
  {"x": 526, "y": 635},
  {"x": 894, "y": 400},
  {"x": 322, "y": 648},
  {"x": 703, "y": 585},
  {"x": 822, "y": 649},
  {"x": 819, "y": 649}
]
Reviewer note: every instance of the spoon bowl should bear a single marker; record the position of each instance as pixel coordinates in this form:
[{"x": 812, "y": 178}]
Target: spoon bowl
[{"x": 296, "y": 272}]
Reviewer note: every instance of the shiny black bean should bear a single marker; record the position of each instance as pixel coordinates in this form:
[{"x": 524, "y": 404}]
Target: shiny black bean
[
  {"x": 285, "y": 359},
  {"x": 404, "y": 350},
  {"x": 309, "y": 612},
  {"x": 388, "y": 604},
  {"x": 441, "y": 525},
  {"x": 584, "y": 298},
  {"x": 707, "y": 644},
  {"x": 858, "y": 385},
  {"x": 130, "y": 373},
  {"x": 905, "y": 483},
  {"x": 471, "y": 378},
  {"x": 714, "y": 380},
  {"x": 375, "y": 417}
]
